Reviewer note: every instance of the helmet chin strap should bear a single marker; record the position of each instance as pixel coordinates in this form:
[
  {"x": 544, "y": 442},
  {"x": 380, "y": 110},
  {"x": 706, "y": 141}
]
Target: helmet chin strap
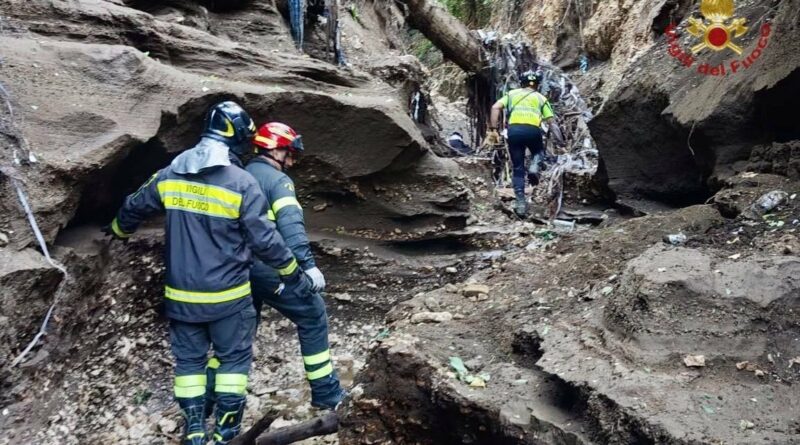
[{"x": 266, "y": 154}]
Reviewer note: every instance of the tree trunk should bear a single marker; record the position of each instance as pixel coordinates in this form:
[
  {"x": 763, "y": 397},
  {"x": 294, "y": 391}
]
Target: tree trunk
[
  {"x": 249, "y": 437},
  {"x": 448, "y": 34},
  {"x": 319, "y": 426}
]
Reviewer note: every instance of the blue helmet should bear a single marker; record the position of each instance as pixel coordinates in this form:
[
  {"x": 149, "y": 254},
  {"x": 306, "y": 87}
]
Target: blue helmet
[{"x": 229, "y": 123}]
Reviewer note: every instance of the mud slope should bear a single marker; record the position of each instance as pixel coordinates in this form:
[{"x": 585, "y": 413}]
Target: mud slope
[{"x": 582, "y": 339}]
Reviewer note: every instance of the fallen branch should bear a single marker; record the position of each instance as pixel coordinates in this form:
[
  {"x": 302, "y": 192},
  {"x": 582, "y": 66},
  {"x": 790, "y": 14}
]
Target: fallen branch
[
  {"x": 249, "y": 437},
  {"x": 319, "y": 426}
]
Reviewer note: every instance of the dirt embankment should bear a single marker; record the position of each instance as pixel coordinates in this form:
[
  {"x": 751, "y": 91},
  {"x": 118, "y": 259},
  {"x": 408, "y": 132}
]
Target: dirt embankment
[{"x": 584, "y": 339}]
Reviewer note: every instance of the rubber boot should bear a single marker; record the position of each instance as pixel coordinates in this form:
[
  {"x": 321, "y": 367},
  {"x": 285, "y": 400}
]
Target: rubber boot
[
  {"x": 327, "y": 393},
  {"x": 521, "y": 205},
  {"x": 229, "y": 412},
  {"x": 194, "y": 431}
]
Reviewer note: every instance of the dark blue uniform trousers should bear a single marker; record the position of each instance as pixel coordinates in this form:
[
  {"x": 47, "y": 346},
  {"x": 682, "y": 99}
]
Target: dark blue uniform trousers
[
  {"x": 232, "y": 338},
  {"x": 307, "y": 312}
]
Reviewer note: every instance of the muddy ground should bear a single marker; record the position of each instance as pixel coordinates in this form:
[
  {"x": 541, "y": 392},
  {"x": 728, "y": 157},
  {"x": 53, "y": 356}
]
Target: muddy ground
[{"x": 590, "y": 346}]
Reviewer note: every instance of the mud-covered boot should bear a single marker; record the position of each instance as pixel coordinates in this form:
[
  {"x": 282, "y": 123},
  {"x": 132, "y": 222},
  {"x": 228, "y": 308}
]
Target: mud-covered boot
[
  {"x": 194, "y": 430},
  {"x": 521, "y": 206},
  {"x": 327, "y": 393},
  {"x": 229, "y": 412}
]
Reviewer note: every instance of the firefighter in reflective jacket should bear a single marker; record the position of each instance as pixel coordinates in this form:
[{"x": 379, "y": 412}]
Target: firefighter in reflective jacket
[
  {"x": 214, "y": 222},
  {"x": 277, "y": 146}
]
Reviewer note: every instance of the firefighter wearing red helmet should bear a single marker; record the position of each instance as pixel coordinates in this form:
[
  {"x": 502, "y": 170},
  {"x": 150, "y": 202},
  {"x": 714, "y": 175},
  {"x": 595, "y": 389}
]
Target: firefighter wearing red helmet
[{"x": 277, "y": 147}]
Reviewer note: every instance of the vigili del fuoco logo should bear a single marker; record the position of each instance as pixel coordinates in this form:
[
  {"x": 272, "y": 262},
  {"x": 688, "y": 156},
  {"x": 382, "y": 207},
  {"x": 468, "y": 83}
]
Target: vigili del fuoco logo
[{"x": 718, "y": 30}]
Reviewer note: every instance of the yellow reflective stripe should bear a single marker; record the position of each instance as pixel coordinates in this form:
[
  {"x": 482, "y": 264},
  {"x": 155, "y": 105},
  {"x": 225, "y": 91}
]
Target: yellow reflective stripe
[
  {"x": 228, "y": 132},
  {"x": 207, "y": 297},
  {"x": 231, "y": 383},
  {"x": 285, "y": 202},
  {"x": 317, "y": 359},
  {"x": 320, "y": 373},
  {"x": 117, "y": 230},
  {"x": 268, "y": 141},
  {"x": 271, "y": 215},
  {"x": 187, "y": 386},
  {"x": 528, "y": 109},
  {"x": 201, "y": 198},
  {"x": 213, "y": 363},
  {"x": 193, "y": 435},
  {"x": 289, "y": 269}
]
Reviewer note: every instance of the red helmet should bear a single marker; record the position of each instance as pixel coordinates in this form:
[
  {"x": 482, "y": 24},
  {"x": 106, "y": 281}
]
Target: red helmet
[{"x": 274, "y": 135}]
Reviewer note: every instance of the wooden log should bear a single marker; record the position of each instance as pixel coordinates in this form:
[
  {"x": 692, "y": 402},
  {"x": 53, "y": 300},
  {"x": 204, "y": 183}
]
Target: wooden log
[
  {"x": 319, "y": 426},
  {"x": 448, "y": 34},
  {"x": 249, "y": 437}
]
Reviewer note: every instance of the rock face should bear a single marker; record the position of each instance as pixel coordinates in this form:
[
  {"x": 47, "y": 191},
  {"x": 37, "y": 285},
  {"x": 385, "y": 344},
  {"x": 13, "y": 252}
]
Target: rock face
[
  {"x": 105, "y": 94},
  {"x": 665, "y": 131},
  {"x": 26, "y": 283}
]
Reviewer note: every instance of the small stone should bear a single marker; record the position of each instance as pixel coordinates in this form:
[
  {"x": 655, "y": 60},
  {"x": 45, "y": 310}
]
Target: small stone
[
  {"x": 432, "y": 304},
  {"x": 431, "y": 317},
  {"x": 607, "y": 290},
  {"x": 3, "y": 239},
  {"x": 474, "y": 290},
  {"x": 747, "y": 366},
  {"x": 138, "y": 431},
  {"x": 357, "y": 392},
  {"x": 746, "y": 425},
  {"x": 759, "y": 373},
  {"x": 320, "y": 207},
  {"x": 451, "y": 288},
  {"x": 474, "y": 364},
  {"x": 253, "y": 403},
  {"x": 451, "y": 270},
  {"x": 372, "y": 286},
  {"x": 167, "y": 425},
  {"x": 344, "y": 296},
  {"x": 675, "y": 239},
  {"x": 398, "y": 231},
  {"x": 695, "y": 361}
]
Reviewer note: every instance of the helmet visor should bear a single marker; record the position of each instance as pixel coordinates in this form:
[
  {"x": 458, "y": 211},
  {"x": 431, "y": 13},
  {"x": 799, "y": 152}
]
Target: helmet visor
[{"x": 297, "y": 145}]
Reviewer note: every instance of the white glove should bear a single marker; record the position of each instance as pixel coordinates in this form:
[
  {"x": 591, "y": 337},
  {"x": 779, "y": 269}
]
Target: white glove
[{"x": 317, "y": 279}]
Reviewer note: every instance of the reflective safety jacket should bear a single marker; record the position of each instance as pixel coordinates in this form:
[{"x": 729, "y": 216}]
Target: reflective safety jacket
[
  {"x": 284, "y": 209},
  {"x": 214, "y": 221},
  {"x": 525, "y": 106}
]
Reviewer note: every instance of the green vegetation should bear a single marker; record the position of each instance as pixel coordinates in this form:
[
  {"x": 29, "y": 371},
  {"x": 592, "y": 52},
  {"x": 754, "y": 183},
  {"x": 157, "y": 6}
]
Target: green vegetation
[
  {"x": 474, "y": 13},
  {"x": 424, "y": 49}
]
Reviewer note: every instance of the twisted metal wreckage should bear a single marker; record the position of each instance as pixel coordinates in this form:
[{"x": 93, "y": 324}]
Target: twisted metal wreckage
[{"x": 507, "y": 56}]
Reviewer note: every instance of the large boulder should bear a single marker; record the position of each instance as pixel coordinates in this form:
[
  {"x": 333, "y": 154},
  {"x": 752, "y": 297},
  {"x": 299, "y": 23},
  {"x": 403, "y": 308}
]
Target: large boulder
[
  {"x": 665, "y": 129},
  {"x": 104, "y": 94}
]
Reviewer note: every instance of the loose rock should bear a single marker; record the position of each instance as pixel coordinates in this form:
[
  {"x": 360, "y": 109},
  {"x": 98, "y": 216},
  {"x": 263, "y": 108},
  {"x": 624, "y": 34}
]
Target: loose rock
[
  {"x": 431, "y": 317},
  {"x": 695, "y": 361}
]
